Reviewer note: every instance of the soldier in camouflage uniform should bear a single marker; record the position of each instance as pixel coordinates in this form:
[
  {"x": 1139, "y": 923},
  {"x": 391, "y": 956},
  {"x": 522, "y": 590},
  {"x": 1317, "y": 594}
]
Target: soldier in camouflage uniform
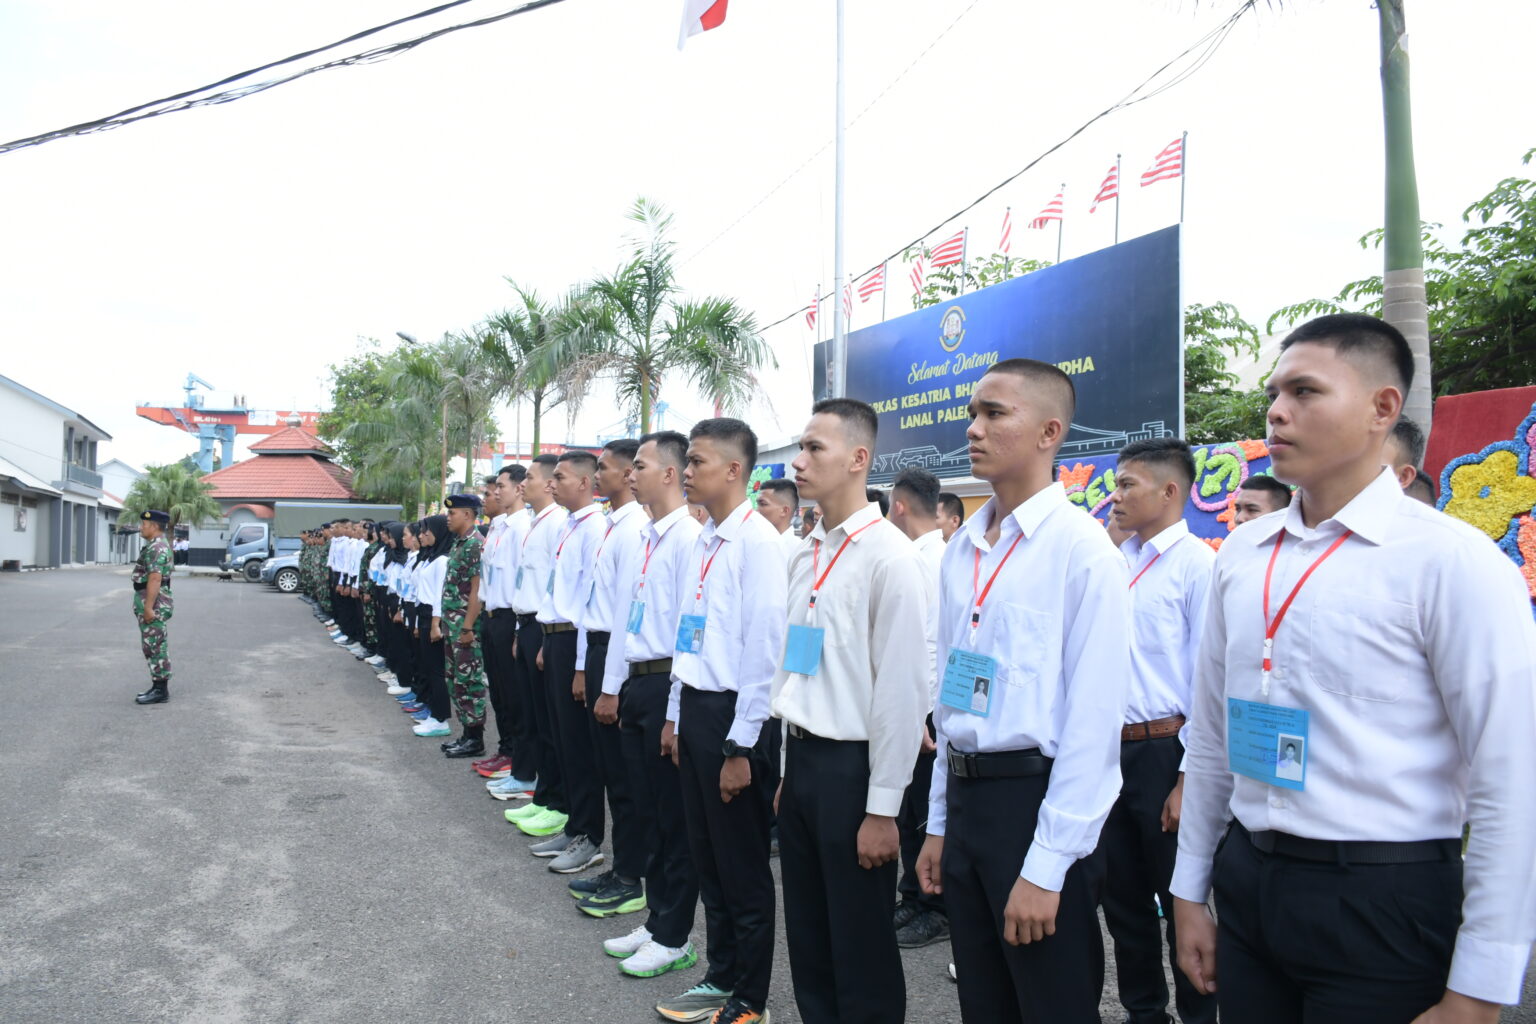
[
  {"x": 152, "y": 604},
  {"x": 366, "y": 585},
  {"x": 461, "y": 625}
]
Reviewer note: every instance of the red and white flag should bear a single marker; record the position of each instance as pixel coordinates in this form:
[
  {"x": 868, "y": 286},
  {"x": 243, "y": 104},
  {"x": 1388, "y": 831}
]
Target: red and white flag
[
  {"x": 848, "y": 300},
  {"x": 1169, "y": 164},
  {"x": 700, "y": 16},
  {"x": 1051, "y": 212},
  {"x": 873, "y": 284},
  {"x": 810, "y": 311},
  {"x": 948, "y": 252},
  {"x": 917, "y": 274},
  {"x": 1007, "y": 243},
  {"x": 1109, "y": 190}
]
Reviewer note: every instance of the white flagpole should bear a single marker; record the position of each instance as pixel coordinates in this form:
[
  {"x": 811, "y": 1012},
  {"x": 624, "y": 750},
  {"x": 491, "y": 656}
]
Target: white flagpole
[
  {"x": 965, "y": 238},
  {"x": 839, "y": 329},
  {"x": 1118, "y": 190},
  {"x": 1183, "y": 171},
  {"x": 1061, "y": 221}
]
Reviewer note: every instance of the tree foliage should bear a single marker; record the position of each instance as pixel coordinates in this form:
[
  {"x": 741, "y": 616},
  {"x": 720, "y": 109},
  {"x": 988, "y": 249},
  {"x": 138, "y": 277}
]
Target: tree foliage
[
  {"x": 357, "y": 388},
  {"x": 174, "y": 490},
  {"x": 1215, "y": 408},
  {"x": 945, "y": 283}
]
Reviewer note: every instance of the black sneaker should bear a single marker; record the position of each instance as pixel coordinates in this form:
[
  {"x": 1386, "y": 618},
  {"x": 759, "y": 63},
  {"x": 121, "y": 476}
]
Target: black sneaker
[
  {"x": 924, "y": 929},
  {"x": 905, "y": 912},
  {"x": 584, "y": 887},
  {"x": 614, "y": 899}
]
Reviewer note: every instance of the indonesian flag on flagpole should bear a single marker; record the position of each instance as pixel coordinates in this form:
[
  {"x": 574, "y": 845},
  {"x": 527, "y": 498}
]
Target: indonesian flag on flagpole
[
  {"x": 700, "y": 16},
  {"x": 1109, "y": 190},
  {"x": 873, "y": 284}
]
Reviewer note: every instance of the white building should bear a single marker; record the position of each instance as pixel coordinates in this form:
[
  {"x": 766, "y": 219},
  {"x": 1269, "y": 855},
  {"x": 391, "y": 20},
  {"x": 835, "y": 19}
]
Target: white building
[
  {"x": 51, "y": 510},
  {"x": 117, "y": 479}
]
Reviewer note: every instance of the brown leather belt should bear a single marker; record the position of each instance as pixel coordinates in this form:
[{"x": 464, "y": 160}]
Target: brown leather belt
[
  {"x": 1153, "y": 730},
  {"x": 649, "y": 668},
  {"x": 551, "y": 628}
]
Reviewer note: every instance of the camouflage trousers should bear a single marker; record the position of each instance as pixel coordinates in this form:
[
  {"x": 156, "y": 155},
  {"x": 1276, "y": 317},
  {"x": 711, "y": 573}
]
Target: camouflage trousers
[
  {"x": 153, "y": 639},
  {"x": 370, "y": 626},
  {"x": 323, "y": 595},
  {"x": 466, "y": 675}
]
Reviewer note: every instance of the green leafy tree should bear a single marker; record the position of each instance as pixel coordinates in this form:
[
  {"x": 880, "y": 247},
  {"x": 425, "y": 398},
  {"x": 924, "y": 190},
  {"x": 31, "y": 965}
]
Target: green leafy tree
[
  {"x": 1481, "y": 295},
  {"x": 1215, "y": 408},
  {"x": 949, "y": 282},
  {"x": 517, "y": 343},
  {"x": 357, "y": 389},
  {"x": 174, "y": 490},
  {"x": 397, "y": 443},
  {"x": 470, "y": 384}
]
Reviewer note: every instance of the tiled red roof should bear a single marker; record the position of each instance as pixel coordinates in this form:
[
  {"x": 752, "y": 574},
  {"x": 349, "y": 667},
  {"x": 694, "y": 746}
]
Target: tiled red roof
[
  {"x": 290, "y": 440},
  {"x": 286, "y": 476}
]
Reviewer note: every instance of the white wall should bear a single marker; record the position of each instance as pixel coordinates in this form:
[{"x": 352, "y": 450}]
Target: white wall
[
  {"x": 27, "y": 546},
  {"x": 31, "y": 436}
]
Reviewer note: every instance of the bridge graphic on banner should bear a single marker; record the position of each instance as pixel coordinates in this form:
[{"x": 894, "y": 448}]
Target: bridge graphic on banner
[{"x": 1088, "y": 443}]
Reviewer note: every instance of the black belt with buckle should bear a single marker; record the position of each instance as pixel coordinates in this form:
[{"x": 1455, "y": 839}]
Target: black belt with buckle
[
  {"x": 1331, "y": 851},
  {"x": 165, "y": 587},
  {"x": 527, "y": 618},
  {"x": 1003, "y": 764},
  {"x": 649, "y": 668},
  {"x": 551, "y": 628}
]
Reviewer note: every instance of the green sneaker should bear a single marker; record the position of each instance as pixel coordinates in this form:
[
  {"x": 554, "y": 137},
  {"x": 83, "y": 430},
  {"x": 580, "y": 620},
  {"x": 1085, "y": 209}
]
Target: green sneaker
[
  {"x": 546, "y": 824},
  {"x": 653, "y": 960},
  {"x": 698, "y": 1003},
  {"x": 613, "y": 899},
  {"x": 528, "y": 810}
]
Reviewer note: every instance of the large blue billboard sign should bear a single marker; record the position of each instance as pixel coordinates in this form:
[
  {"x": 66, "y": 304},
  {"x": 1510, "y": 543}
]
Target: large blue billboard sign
[{"x": 1111, "y": 320}]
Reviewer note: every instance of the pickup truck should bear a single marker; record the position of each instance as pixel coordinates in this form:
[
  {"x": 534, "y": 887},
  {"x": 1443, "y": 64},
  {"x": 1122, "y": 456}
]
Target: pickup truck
[{"x": 252, "y": 544}]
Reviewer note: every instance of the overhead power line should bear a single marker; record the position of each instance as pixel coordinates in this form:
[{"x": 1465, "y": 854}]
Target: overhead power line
[{"x": 202, "y": 96}]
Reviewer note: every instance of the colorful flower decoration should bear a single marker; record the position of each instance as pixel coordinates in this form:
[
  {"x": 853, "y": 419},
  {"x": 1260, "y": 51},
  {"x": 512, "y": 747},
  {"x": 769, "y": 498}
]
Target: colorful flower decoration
[
  {"x": 1494, "y": 491},
  {"x": 1525, "y": 542},
  {"x": 1077, "y": 477}
]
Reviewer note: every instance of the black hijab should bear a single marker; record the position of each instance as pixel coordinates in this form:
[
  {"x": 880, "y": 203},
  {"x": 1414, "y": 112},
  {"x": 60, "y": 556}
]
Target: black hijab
[
  {"x": 442, "y": 538},
  {"x": 396, "y": 548}
]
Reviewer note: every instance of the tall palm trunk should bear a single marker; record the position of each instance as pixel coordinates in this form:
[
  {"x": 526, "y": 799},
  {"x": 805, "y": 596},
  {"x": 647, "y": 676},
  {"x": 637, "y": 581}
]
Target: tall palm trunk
[
  {"x": 1403, "y": 302},
  {"x": 538, "y": 407},
  {"x": 645, "y": 401}
]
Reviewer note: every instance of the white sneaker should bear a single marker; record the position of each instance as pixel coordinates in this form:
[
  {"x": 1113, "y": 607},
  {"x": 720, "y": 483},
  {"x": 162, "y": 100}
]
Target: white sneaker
[
  {"x": 629, "y": 945},
  {"x": 395, "y": 689},
  {"x": 357, "y": 650},
  {"x": 654, "y": 959},
  {"x": 431, "y": 727},
  {"x": 329, "y": 623},
  {"x": 376, "y": 660},
  {"x": 388, "y": 678},
  {"x": 340, "y": 639}
]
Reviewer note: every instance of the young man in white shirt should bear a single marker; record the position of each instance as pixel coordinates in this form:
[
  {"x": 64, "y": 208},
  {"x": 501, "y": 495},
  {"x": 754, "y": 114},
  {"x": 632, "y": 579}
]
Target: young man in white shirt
[
  {"x": 1035, "y": 661},
  {"x": 1170, "y": 582},
  {"x": 1392, "y": 648},
  {"x": 1258, "y": 496},
  {"x": 852, "y": 689},
  {"x": 729, "y": 639},
  {"x": 777, "y": 502},
  {"x": 535, "y": 558},
  {"x": 951, "y": 514},
  {"x": 514, "y": 727},
  {"x": 920, "y": 919},
  {"x": 639, "y": 672},
  {"x": 564, "y": 652},
  {"x": 1404, "y": 451},
  {"x": 496, "y": 595}
]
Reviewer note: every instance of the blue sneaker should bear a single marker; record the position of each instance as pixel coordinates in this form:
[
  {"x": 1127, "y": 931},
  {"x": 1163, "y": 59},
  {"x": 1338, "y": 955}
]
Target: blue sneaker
[
  {"x": 413, "y": 707},
  {"x": 408, "y": 697},
  {"x": 511, "y": 788},
  {"x": 422, "y": 715}
]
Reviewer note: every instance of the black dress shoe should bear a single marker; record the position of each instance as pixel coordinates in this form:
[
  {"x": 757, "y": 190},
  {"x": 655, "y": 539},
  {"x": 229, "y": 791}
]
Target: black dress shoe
[
  {"x": 153, "y": 695},
  {"x": 467, "y": 746}
]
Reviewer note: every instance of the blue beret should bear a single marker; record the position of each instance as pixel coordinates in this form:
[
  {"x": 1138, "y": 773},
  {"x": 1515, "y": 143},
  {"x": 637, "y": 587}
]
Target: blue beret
[
  {"x": 154, "y": 515},
  {"x": 462, "y": 501}
]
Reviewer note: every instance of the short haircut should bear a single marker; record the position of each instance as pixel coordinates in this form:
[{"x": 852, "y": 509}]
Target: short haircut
[
  {"x": 514, "y": 471},
  {"x": 1356, "y": 334},
  {"x": 585, "y": 462},
  {"x": 880, "y": 498},
  {"x": 1269, "y": 485},
  {"x": 920, "y": 489},
  {"x": 1425, "y": 484},
  {"x": 784, "y": 488},
  {"x": 1169, "y": 454},
  {"x": 732, "y": 432},
  {"x": 1410, "y": 439},
  {"x": 545, "y": 462},
  {"x": 341, "y": 522},
  {"x": 1048, "y": 378},
  {"x": 623, "y": 447},
  {"x": 951, "y": 505},
  {"x": 671, "y": 446},
  {"x": 859, "y": 417},
  {"x": 490, "y": 481}
]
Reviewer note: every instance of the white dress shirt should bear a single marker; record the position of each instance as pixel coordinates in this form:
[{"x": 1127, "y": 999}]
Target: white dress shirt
[
  {"x": 568, "y": 587},
  {"x": 620, "y": 535},
  {"x": 930, "y": 546},
  {"x": 354, "y": 566},
  {"x": 650, "y": 574},
  {"x": 1171, "y": 582},
  {"x": 535, "y": 557},
  {"x": 429, "y": 585},
  {"x": 497, "y": 574},
  {"x": 410, "y": 580},
  {"x": 1058, "y": 622},
  {"x": 742, "y": 601},
  {"x": 517, "y": 529},
  {"x": 376, "y": 564},
  {"x": 331, "y": 553},
  {"x": 872, "y": 683},
  {"x": 792, "y": 543},
  {"x": 1414, "y": 652}
]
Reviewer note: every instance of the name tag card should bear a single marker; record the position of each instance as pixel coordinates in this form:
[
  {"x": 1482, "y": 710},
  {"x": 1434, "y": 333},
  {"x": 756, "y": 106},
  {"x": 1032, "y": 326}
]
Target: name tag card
[
  {"x": 802, "y": 649},
  {"x": 690, "y": 634},
  {"x": 636, "y": 616},
  {"x": 517, "y": 581},
  {"x": 968, "y": 681},
  {"x": 1267, "y": 743}
]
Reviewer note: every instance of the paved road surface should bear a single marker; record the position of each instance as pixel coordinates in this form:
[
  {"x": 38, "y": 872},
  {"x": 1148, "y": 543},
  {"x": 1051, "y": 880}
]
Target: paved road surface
[{"x": 273, "y": 845}]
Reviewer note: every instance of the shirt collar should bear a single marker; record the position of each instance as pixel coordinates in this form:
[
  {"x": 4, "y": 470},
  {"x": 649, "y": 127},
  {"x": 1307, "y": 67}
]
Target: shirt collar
[
  {"x": 851, "y": 527},
  {"x": 732, "y": 525},
  {"x": 588, "y": 510},
  {"x": 1368, "y": 514},
  {"x": 549, "y": 510},
  {"x": 623, "y": 512},
  {"x": 660, "y": 526},
  {"x": 1133, "y": 547},
  {"x": 1028, "y": 516},
  {"x": 933, "y": 538}
]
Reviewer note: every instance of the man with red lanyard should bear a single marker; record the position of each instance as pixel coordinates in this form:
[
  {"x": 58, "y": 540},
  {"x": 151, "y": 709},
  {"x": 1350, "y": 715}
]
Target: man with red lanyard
[
  {"x": 496, "y": 647},
  {"x": 517, "y": 740},
  {"x": 1034, "y": 666},
  {"x": 1170, "y": 582},
  {"x": 639, "y": 671},
  {"x": 729, "y": 638},
  {"x": 1389, "y": 650},
  {"x": 566, "y": 591},
  {"x": 852, "y": 689},
  {"x": 536, "y": 556}
]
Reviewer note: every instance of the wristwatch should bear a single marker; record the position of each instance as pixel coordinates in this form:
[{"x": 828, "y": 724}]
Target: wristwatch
[{"x": 733, "y": 749}]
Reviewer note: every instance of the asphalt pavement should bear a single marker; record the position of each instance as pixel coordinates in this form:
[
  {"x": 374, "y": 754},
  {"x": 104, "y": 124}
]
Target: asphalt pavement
[{"x": 274, "y": 845}]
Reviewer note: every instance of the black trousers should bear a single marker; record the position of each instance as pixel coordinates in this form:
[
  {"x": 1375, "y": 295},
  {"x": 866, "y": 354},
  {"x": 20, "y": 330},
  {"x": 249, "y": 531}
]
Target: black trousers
[
  {"x": 774, "y": 730},
  {"x": 843, "y": 959},
  {"x": 578, "y": 768},
  {"x": 912, "y": 822},
  {"x": 1138, "y": 863},
  {"x": 990, "y": 826},
  {"x": 528, "y": 685},
  {"x": 496, "y": 648},
  {"x": 434, "y": 676},
  {"x": 671, "y": 884},
  {"x": 1306, "y": 943},
  {"x": 729, "y": 845},
  {"x": 629, "y": 843}
]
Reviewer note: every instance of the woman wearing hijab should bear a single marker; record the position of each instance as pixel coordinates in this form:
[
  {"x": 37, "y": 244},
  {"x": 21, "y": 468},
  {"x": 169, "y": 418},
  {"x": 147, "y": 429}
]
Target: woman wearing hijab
[{"x": 436, "y": 540}]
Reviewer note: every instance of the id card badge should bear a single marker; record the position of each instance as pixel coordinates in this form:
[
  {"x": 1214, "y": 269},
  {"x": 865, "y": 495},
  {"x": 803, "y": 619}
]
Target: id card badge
[
  {"x": 636, "y": 616},
  {"x": 690, "y": 634},
  {"x": 517, "y": 581},
  {"x": 968, "y": 681},
  {"x": 489, "y": 572},
  {"x": 549, "y": 587},
  {"x": 1267, "y": 743},
  {"x": 802, "y": 649}
]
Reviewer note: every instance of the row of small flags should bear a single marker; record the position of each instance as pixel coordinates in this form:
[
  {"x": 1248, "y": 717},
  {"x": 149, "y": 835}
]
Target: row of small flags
[{"x": 1169, "y": 164}]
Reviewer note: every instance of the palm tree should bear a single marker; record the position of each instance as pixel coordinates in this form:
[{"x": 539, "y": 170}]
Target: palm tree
[
  {"x": 172, "y": 489},
  {"x": 514, "y": 341},
  {"x": 470, "y": 386},
  {"x": 632, "y": 326},
  {"x": 399, "y": 442}
]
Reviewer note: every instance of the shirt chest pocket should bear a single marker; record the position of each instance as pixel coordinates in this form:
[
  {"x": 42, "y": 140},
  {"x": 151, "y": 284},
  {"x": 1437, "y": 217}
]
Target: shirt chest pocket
[
  {"x": 1159, "y": 623},
  {"x": 1021, "y": 643},
  {"x": 1356, "y": 641}
]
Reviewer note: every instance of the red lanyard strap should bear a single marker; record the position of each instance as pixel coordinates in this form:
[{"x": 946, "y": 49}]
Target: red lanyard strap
[
  {"x": 536, "y": 521},
  {"x": 976, "y": 579},
  {"x": 816, "y": 559},
  {"x": 1271, "y": 625},
  {"x": 714, "y": 550},
  {"x": 1156, "y": 557},
  {"x": 575, "y": 525}
]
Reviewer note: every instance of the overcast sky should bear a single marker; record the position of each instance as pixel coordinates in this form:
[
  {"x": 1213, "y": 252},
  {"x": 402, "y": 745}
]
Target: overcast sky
[{"x": 253, "y": 243}]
